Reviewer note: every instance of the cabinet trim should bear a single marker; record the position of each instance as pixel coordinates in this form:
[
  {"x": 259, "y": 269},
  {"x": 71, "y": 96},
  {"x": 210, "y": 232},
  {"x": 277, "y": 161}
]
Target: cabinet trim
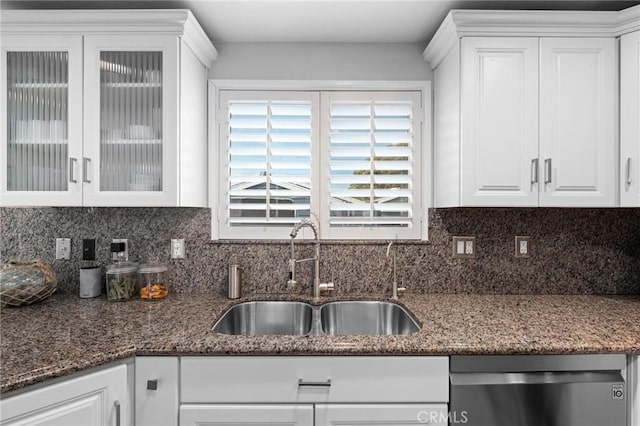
[
  {"x": 527, "y": 23},
  {"x": 178, "y": 22}
]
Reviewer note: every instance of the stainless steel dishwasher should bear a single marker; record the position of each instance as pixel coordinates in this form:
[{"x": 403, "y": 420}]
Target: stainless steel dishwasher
[{"x": 538, "y": 390}]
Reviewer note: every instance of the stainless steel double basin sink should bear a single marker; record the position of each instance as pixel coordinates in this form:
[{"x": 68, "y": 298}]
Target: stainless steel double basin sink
[{"x": 267, "y": 318}]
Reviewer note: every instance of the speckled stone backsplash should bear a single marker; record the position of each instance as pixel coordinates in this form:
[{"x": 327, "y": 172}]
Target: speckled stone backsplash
[{"x": 595, "y": 251}]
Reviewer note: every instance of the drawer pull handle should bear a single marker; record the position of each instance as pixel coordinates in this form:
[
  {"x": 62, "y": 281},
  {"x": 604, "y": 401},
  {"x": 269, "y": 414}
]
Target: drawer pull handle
[
  {"x": 628, "y": 170},
  {"x": 309, "y": 384}
]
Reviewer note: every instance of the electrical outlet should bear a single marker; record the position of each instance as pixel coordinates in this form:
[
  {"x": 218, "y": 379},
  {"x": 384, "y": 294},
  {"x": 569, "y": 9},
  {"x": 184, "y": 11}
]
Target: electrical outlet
[
  {"x": 63, "y": 248},
  {"x": 114, "y": 256},
  {"x": 464, "y": 247},
  {"x": 177, "y": 248},
  {"x": 523, "y": 246}
]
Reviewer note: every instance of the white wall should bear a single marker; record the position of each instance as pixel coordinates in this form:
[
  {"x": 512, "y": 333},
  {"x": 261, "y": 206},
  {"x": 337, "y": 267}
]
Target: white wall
[{"x": 320, "y": 61}]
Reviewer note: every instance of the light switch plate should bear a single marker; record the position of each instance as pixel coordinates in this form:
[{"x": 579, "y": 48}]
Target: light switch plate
[
  {"x": 63, "y": 248},
  {"x": 523, "y": 246},
  {"x": 464, "y": 247}
]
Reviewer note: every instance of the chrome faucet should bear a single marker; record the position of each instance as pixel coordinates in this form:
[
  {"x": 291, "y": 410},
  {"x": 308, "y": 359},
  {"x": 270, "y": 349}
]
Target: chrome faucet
[
  {"x": 395, "y": 290},
  {"x": 318, "y": 287}
]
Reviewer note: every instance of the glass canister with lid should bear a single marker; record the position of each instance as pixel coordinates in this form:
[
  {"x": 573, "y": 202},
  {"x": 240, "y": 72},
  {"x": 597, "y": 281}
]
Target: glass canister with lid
[
  {"x": 122, "y": 281},
  {"x": 154, "y": 283}
]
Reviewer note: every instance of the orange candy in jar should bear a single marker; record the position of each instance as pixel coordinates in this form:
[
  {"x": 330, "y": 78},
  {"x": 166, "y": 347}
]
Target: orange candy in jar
[{"x": 153, "y": 282}]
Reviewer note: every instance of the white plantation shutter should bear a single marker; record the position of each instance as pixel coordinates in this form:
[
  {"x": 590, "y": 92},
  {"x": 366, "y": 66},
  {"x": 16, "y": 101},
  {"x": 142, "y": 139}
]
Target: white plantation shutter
[
  {"x": 370, "y": 148},
  {"x": 268, "y": 161},
  {"x": 350, "y": 160}
]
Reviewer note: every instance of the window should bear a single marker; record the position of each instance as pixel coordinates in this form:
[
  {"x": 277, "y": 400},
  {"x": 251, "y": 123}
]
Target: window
[{"x": 351, "y": 159}]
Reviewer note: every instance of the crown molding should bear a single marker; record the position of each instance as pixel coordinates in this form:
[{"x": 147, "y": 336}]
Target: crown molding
[
  {"x": 629, "y": 20},
  {"x": 527, "y": 23},
  {"x": 198, "y": 41},
  {"x": 445, "y": 38},
  {"x": 179, "y": 22}
]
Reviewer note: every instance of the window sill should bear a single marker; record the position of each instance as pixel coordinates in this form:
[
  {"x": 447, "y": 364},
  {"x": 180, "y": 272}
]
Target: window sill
[{"x": 323, "y": 242}]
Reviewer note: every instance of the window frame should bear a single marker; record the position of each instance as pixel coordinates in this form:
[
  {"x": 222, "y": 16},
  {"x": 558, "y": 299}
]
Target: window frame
[{"x": 422, "y": 169}]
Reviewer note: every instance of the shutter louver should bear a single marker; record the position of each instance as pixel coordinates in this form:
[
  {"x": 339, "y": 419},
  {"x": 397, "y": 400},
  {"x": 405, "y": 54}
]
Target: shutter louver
[
  {"x": 269, "y": 162},
  {"x": 371, "y": 164}
]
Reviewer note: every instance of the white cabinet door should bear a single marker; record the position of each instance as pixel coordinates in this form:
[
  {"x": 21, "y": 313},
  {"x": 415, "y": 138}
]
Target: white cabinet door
[
  {"x": 578, "y": 122},
  {"x": 156, "y": 391},
  {"x": 382, "y": 415},
  {"x": 499, "y": 121},
  {"x": 41, "y": 120},
  {"x": 131, "y": 120},
  {"x": 630, "y": 119},
  {"x": 97, "y": 399},
  {"x": 240, "y": 414}
]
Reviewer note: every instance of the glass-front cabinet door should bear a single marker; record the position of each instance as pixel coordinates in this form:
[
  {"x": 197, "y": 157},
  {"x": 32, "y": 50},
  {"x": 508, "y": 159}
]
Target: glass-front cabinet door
[
  {"x": 131, "y": 116},
  {"x": 41, "y": 120}
]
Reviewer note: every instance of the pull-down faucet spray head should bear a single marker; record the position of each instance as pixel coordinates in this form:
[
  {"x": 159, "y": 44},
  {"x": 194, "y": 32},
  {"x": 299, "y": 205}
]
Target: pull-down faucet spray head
[{"x": 302, "y": 224}]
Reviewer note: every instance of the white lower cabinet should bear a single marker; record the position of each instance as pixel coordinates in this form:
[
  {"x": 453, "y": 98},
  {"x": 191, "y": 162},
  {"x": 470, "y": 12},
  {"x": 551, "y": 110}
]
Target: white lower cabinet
[
  {"x": 310, "y": 415},
  {"x": 314, "y": 391},
  {"x": 381, "y": 415},
  {"x": 95, "y": 399},
  {"x": 156, "y": 382},
  {"x": 244, "y": 414}
]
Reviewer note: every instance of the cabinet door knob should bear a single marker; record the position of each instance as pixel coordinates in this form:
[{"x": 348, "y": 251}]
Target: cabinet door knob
[
  {"x": 152, "y": 384},
  {"x": 628, "y": 170}
]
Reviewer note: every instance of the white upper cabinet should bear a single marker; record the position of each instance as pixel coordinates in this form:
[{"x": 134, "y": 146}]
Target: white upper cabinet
[
  {"x": 630, "y": 119},
  {"x": 499, "y": 121},
  {"x": 41, "y": 120},
  {"x": 526, "y": 108},
  {"x": 131, "y": 120},
  {"x": 113, "y": 115},
  {"x": 578, "y": 122}
]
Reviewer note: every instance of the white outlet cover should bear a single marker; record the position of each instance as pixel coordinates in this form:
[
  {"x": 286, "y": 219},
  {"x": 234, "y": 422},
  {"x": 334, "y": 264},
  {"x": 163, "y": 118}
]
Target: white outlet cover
[
  {"x": 522, "y": 246},
  {"x": 464, "y": 247},
  {"x": 177, "y": 248},
  {"x": 468, "y": 247}
]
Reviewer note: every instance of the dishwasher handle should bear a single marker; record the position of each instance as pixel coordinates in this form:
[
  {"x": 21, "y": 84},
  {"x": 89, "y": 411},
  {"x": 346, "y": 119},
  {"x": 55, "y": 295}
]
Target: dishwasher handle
[{"x": 533, "y": 378}]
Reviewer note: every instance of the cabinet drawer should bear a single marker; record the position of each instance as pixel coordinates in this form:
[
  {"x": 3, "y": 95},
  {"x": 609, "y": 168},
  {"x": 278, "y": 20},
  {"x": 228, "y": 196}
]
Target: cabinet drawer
[{"x": 314, "y": 379}]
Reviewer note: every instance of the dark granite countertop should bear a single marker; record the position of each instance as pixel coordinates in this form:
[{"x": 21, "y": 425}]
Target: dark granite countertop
[{"x": 65, "y": 334}]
